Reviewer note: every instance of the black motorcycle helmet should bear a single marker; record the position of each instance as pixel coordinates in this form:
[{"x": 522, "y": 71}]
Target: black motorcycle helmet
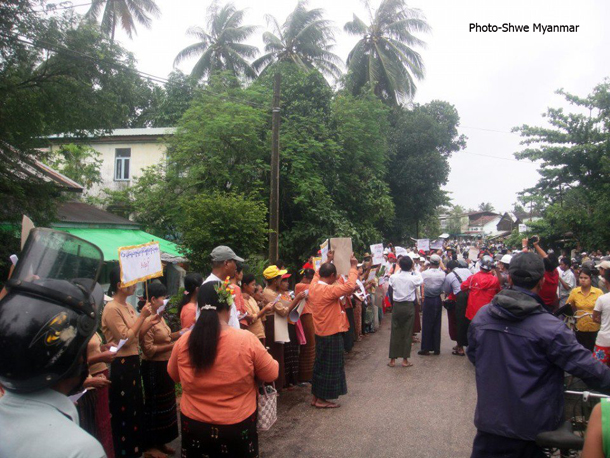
[{"x": 50, "y": 311}]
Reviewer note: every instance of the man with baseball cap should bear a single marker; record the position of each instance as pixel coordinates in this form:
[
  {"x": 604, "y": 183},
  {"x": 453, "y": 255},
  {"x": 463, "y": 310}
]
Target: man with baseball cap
[
  {"x": 434, "y": 279},
  {"x": 224, "y": 265},
  {"x": 520, "y": 352}
]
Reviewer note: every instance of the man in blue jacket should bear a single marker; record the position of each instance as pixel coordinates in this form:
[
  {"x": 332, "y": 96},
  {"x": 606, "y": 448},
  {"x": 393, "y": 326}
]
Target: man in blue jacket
[{"x": 520, "y": 352}]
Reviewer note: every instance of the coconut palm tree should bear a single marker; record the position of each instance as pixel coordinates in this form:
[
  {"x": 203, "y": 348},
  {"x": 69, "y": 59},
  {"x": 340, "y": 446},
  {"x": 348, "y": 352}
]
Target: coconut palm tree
[
  {"x": 221, "y": 47},
  {"x": 123, "y": 12},
  {"x": 384, "y": 57},
  {"x": 305, "y": 39}
]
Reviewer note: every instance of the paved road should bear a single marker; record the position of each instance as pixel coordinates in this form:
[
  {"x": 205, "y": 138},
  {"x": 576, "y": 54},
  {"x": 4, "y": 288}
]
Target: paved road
[{"x": 422, "y": 411}]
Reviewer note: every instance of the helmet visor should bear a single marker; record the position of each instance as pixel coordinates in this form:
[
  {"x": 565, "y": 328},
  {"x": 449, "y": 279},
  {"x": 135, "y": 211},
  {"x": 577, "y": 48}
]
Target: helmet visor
[{"x": 50, "y": 254}]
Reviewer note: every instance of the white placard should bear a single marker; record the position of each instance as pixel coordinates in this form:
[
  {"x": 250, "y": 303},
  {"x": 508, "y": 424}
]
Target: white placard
[
  {"x": 523, "y": 228},
  {"x": 377, "y": 253},
  {"x": 423, "y": 244},
  {"x": 140, "y": 263},
  {"x": 400, "y": 251},
  {"x": 473, "y": 253}
]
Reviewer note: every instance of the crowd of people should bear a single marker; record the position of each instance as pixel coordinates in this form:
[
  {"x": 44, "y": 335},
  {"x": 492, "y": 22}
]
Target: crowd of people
[{"x": 506, "y": 310}]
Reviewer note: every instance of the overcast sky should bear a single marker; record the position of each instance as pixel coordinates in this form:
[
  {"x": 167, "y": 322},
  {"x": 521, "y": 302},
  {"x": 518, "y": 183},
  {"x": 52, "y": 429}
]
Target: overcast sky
[{"x": 495, "y": 80}]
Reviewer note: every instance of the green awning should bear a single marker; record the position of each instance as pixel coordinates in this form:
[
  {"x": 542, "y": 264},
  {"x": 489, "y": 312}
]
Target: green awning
[{"x": 110, "y": 240}]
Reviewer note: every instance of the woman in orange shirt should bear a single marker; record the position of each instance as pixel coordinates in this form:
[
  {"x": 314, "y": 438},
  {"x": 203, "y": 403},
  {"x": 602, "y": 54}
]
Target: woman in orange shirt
[
  {"x": 187, "y": 309},
  {"x": 218, "y": 367}
]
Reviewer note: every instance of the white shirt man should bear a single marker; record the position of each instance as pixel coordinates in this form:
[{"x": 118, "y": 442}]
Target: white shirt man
[
  {"x": 566, "y": 276},
  {"x": 405, "y": 285}
]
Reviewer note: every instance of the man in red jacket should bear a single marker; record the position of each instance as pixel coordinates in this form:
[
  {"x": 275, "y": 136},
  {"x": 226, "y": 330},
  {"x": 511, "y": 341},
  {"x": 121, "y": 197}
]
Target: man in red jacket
[{"x": 482, "y": 287}]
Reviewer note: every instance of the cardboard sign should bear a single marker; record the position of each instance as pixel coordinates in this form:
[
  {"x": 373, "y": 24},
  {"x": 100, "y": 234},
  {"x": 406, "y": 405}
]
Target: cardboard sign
[
  {"x": 140, "y": 263},
  {"x": 343, "y": 253},
  {"x": 26, "y": 226},
  {"x": 423, "y": 244},
  {"x": 377, "y": 253}
]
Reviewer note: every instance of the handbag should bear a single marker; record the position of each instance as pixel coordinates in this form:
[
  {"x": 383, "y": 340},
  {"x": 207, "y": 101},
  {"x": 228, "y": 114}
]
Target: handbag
[
  {"x": 267, "y": 408},
  {"x": 450, "y": 305}
]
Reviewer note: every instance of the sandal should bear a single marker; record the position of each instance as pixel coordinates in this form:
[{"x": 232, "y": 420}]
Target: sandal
[
  {"x": 327, "y": 405},
  {"x": 391, "y": 364},
  {"x": 407, "y": 365}
]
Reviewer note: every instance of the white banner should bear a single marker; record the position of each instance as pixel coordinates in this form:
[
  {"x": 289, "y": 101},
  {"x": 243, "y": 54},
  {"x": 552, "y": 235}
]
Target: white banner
[
  {"x": 377, "y": 253},
  {"x": 423, "y": 244},
  {"x": 140, "y": 263}
]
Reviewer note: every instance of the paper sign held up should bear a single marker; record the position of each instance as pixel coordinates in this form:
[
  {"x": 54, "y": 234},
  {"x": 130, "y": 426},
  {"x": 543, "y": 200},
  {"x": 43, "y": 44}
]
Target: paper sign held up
[
  {"x": 377, "y": 253},
  {"x": 423, "y": 244},
  {"x": 140, "y": 263},
  {"x": 436, "y": 245}
]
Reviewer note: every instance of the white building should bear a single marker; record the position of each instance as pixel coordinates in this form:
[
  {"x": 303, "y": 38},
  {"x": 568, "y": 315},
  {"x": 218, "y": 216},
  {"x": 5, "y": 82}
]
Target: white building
[{"x": 125, "y": 153}]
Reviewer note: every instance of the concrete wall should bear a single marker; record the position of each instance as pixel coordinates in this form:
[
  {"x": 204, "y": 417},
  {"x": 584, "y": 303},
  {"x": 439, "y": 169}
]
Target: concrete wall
[{"x": 143, "y": 154}]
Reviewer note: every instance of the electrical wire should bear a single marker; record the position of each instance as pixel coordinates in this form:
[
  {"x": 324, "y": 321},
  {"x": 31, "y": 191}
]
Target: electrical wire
[{"x": 157, "y": 79}]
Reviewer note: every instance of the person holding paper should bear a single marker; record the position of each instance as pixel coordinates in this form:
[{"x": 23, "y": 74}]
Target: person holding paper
[
  {"x": 187, "y": 309},
  {"x": 283, "y": 307},
  {"x": 119, "y": 322},
  {"x": 157, "y": 342},
  {"x": 330, "y": 321},
  {"x": 251, "y": 303},
  {"x": 218, "y": 367}
]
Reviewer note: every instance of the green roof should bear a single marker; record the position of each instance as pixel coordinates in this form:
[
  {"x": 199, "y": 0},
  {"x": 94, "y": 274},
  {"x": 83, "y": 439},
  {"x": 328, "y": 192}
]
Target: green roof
[{"x": 110, "y": 240}]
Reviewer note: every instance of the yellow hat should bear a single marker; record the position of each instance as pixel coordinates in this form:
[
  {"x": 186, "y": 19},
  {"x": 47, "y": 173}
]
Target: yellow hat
[{"x": 272, "y": 272}]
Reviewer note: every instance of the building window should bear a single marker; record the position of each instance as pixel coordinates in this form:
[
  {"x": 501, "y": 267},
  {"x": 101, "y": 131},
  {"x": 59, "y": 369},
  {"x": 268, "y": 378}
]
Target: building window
[{"x": 121, "y": 164}]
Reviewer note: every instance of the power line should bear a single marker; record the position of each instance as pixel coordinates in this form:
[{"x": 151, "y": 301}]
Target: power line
[
  {"x": 496, "y": 157},
  {"x": 490, "y": 130},
  {"x": 157, "y": 79}
]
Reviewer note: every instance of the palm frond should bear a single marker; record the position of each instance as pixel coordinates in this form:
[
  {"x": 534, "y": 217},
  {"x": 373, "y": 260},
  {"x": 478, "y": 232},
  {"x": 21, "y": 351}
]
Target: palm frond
[
  {"x": 190, "y": 51},
  {"x": 356, "y": 26},
  {"x": 204, "y": 65},
  {"x": 263, "y": 62}
]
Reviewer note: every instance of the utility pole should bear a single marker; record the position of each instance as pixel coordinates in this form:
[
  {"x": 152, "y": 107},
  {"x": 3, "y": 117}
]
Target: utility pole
[{"x": 274, "y": 200}]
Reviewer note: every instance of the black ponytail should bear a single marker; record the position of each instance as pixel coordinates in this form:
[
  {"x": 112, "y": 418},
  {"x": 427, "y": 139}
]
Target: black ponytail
[
  {"x": 203, "y": 341},
  {"x": 115, "y": 279},
  {"x": 192, "y": 281}
]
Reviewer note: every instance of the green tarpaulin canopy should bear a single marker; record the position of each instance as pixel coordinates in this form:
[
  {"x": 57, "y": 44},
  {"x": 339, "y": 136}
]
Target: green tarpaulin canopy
[{"x": 110, "y": 240}]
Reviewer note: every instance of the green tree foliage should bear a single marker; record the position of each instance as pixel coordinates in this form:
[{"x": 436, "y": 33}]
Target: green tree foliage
[
  {"x": 56, "y": 75},
  {"x": 421, "y": 141},
  {"x": 383, "y": 58},
  {"x": 486, "y": 207},
  {"x": 233, "y": 219},
  {"x": 123, "y": 13},
  {"x": 574, "y": 152},
  {"x": 221, "y": 47},
  {"x": 454, "y": 221},
  {"x": 78, "y": 162},
  {"x": 305, "y": 39},
  {"x": 168, "y": 103}
]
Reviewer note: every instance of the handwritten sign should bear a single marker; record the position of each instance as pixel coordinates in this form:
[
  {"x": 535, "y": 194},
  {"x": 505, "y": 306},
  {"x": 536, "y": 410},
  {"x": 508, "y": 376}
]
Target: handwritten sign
[
  {"x": 140, "y": 263},
  {"x": 377, "y": 253},
  {"x": 324, "y": 248},
  {"x": 423, "y": 244},
  {"x": 401, "y": 251}
]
